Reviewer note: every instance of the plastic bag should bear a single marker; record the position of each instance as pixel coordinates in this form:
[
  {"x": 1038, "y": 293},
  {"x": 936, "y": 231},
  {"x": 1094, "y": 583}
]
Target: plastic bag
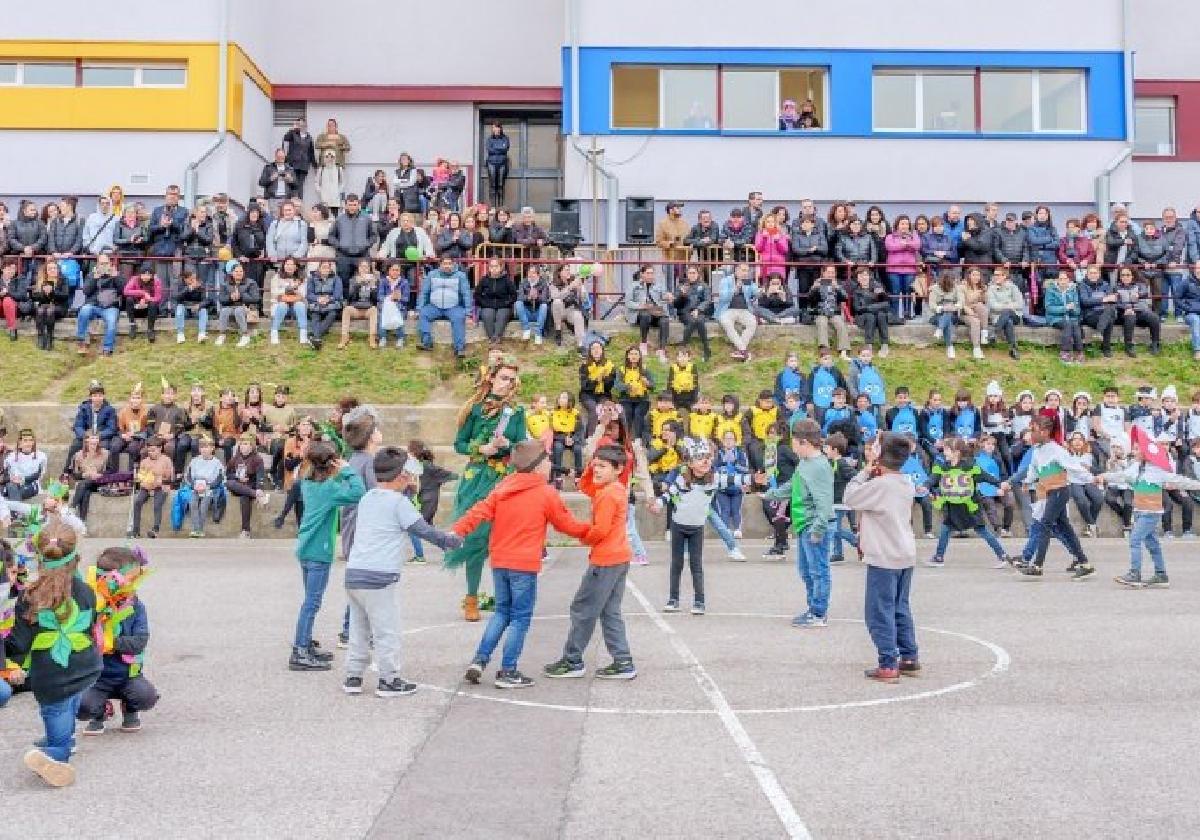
[{"x": 391, "y": 318}]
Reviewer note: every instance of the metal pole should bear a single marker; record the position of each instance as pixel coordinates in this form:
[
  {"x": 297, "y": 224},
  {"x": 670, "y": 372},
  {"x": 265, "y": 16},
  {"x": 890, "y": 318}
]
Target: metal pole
[{"x": 595, "y": 195}]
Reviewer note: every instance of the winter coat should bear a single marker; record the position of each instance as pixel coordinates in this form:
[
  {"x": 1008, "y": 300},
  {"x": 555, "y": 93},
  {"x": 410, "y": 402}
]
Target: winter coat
[
  {"x": 454, "y": 244},
  {"x": 407, "y": 189},
  {"x": 130, "y": 241},
  {"x": 1061, "y": 304},
  {"x": 330, "y": 287},
  {"x": 248, "y": 293},
  {"x": 197, "y": 242},
  {"x": 642, "y": 297},
  {"x": 299, "y": 151},
  {"x": 827, "y": 298},
  {"x": 1134, "y": 296},
  {"x": 287, "y": 239},
  {"x": 903, "y": 253},
  {"x": 93, "y": 286},
  {"x": 23, "y": 232},
  {"x": 535, "y": 293},
  {"x": 932, "y": 242},
  {"x": 740, "y": 236},
  {"x": 1091, "y": 295},
  {"x": 1004, "y": 298},
  {"x": 978, "y": 248},
  {"x": 871, "y": 299},
  {"x": 363, "y": 292},
  {"x": 102, "y": 421},
  {"x": 497, "y": 149},
  {"x": 1012, "y": 246},
  {"x": 64, "y": 236},
  {"x": 856, "y": 249},
  {"x": 165, "y": 240},
  {"x": 249, "y": 240},
  {"x": 1120, "y": 248},
  {"x": 1176, "y": 241},
  {"x": 1076, "y": 249},
  {"x": 1150, "y": 249},
  {"x": 772, "y": 252},
  {"x": 701, "y": 238},
  {"x": 495, "y": 292},
  {"x": 272, "y": 175},
  {"x": 810, "y": 247},
  {"x": 1043, "y": 243}
]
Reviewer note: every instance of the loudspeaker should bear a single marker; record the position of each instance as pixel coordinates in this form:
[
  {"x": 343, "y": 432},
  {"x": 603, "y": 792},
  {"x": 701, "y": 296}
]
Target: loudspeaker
[
  {"x": 639, "y": 220},
  {"x": 564, "y": 221}
]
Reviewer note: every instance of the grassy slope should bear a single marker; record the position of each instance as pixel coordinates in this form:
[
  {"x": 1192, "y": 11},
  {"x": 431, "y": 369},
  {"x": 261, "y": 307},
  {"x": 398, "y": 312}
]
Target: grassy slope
[{"x": 409, "y": 376}]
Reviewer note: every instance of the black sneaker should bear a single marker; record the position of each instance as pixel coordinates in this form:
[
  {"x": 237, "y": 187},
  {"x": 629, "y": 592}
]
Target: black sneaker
[
  {"x": 1158, "y": 581},
  {"x": 837, "y": 558},
  {"x": 303, "y": 660},
  {"x": 512, "y": 679},
  {"x": 352, "y": 685},
  {"x": 564, "y": 669},
  {"x": 131, "y": 721},
  {"x": 672, "y": 606},
  {"x": 1031, "y": 569},
  {"x": 343, "y": 639},
  {"x": 617, "y": 671},
  {"x": 152, "y": 534},
  {"x": 132, "y": 535},
  {"x": 774, "y": 551},
  {"x": 95, "y": 726},
  {"x": 909, "y": 668},
  {"x": 474, "y": 672},
  {"x": 395, "y": 688},
  {"x": 314, "y": 647},
  {"x": 1082, "y": 571}
]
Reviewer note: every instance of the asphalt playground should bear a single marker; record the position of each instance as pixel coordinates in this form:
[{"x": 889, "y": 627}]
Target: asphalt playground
[{"x": 1046, "y": 708}]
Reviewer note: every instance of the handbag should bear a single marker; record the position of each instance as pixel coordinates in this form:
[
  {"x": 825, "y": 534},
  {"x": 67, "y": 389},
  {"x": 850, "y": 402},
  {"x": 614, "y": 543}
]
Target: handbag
[{"x": 391, "y": 318}]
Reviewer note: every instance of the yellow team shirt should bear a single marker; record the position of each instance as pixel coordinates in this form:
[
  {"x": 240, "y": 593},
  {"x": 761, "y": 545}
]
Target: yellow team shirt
[
  {"x": 564, "y": 420},
  {"x": 761, "y": 420},
  {"x": 668, "y": 461},
  {"x": 702, "y": 424},
  {"x": 728, "y": 424},
  {"x": 683, "y": 378},
  {"x": 635, "y": 383},
  {"x": 658, "y": 419},
  {"x": 537, "y": 422},
  {"x": 598, "y": 373}
]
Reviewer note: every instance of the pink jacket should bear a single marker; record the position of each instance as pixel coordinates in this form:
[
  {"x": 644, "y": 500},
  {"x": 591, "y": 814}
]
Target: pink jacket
[
  {"x": 772, "y": 252},
  {"x": 903, "y": 253},
  {"x": 134, "y": 290}
]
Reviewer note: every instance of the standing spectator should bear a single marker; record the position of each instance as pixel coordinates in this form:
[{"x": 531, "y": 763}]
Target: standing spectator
[
  {"x": 278, "y": 181},
  {"x": 876, "y": 225},
  {"x": 131, "y": 240},
  {"x": 938, "y": 248},
  {"x": 165, "y": 235},
  {"x": 1098, "y": 303},
  {"x": 529, "y": 235},
  {"x": 1011, "y": 244},
  {"x": 753, "y": 210},
  {"x": 497, "y": 163},
  {"x": 224, "y": 220},
  {"x": 646, "y": 306},
  {"x": 407, "y": 185},
  {"x": 101, "y": 299},
  {"x": 808, "y": 210},
  {"x": 500, "y": 232},
  {"x": 568, "y": 304},
  {"x": 1043, "y": 241},
  {"x": 533, "y": 304},
  {"x": 1135, "y": 309},
  {"x": 360, "y": 304},
  {"x": 495, "y": 295},
  {"x": 737, "y": 236},
  {"x": 903, "y": 248},
  {"x": 191, "y": 301},
  {"x": 409, "y": 245},
  {"x": 331, "y": 139},
  {"x": 143, "y": 298},
  {"x": 773, "y": 247},
  {"x": 1120, "y": 244},
  {"x": 288, "y": 234},
  {"x": 954, "y": 223},
  {"x": 810, "y": 248},
  {"x": 98, "y": 228},
  {"x": 826, "y": 297},
  {"x": 48, "y": 295},
  {"x": 1189, "y": 309},
  {"x": 1151, "y": 255},
  {"x": 197, "y": 244},
  {"x": 703, "y": 237},
  {"x": 300, "y": 153},
  {"x": 869, "y": 306},
  {"x": 856, "y": 247},
  {"x": 737, "y": 298},
  {"x": 1005, "y": 305},
  {"x": 1175, "y": 239},
  {"x": 669, "y": 235},
  {"x": 1075, "y": 250},
  {"x": 64, "y": 234},
  {"x": 976, "y": 244},
  {"x": 325, "y": 294},
  {"x": 456, "y": 185},
  {"x": 250, "y": 244},
  {"x": 838, "y": 225},
  {"x": 235, "y": 298},
  {"x": 27, "y": 237},
  {"x": 351, "y": 236}
]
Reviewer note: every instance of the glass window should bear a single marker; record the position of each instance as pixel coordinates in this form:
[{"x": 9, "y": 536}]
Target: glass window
[
  {"x": 635, "y": 95},
  {"x": 101, "y": 75},
  {"x": 1006, "y": 104},
  {"x": 8, "y": 74},
  {"x": 1154, "y": 127},
  {"x": 802, "y": 85},
  {"x": 948, "y": 102},
  {"x": 689, "y": 97},
  {"x": 1060, "y": 100},
  {"x": 50, "y": 75},
  {"x": 164, "y": 76},
  {"x": 750, "y": 99},
  {"x": 894, "y": 101}
]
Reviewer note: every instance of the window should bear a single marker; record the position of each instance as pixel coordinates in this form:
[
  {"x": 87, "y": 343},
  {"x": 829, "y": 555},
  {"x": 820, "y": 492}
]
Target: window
[
  {"x": 924, "y": 101},
  {"x": 8, "y": 74},
  {"x": 49, "y": 75},
  {"x": 162, "y": 76},
  {"x": 1023, "y": 101},
  {"x": 124, "y": 75},
  {"x": 1154, "y": 127},
  {"x": 287, "y": 111},
  {"x": 108, "y": 76},
  {"x": 685, "y": 97}
]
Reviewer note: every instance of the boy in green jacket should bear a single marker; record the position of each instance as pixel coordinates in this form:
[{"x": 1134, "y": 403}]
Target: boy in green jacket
[{"x": 330, "y": 486}]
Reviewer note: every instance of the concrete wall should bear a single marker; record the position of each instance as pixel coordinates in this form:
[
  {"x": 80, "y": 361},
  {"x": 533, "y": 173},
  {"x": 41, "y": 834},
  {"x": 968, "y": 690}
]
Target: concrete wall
[
  {"x": 1162, "y": 34},
  {"x": 1159, "y": 184}
]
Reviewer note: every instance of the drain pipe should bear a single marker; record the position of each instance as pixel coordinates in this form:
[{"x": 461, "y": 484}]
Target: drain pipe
[
  {"x": 612, "y": 183},
  {"x": 1104, "y": 179},
  {"x": 191, "y": 175}
]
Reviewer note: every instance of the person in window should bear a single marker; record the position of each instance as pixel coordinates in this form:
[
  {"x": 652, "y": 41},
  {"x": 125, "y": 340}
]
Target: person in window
[
  {"x": 808, "y": 116},
  {"x": 698, "y": 117},
  {"x": 528, "y": 234},
  {"x": 278, "y": 181},
  {"x": 1135, "y": 309},
  {"x": 737, "y": 236},
  {"x": 301, "y": 154},
  {"x": 789, "y": 116},
  {"x": 497, "y": 162},
  {"x": 495, "y": 295}
]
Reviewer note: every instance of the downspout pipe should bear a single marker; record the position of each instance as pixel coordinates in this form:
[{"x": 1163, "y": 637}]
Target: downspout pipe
[
  {"x": 612, "y": 183},
  {"x": 191, "y": 174},
  {"x": 1104, "y": 179}
]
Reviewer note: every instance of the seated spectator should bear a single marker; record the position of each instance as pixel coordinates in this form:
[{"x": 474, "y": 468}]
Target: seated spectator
[
  {"x": 1189, "y": 306},
  {"x": 445, "y": 296},
  {"x": 25, "y": 467},
  {"x": 737, "y": 235},
  {"x": 191, "y": 301},
  {"x": 143, "y": 297},
  {"x": 234, "y": 299},
  {"x": 454, "y": 241},
  {"x": 737, "y": 305},
  {"x": 13, "y": 297},
  {"x": 133, "y": 420},
  {"x": 246, "y": 480},
  {"x": 529, "y": 235},
  {"x": 1005, "y": 306},
  {"x": 1135, "y": 309},
  {"x": 975, "y": 311},
  {"x": 1063, "y": 311},
  {"x": 775, "y": 304},
  {"x": 946, "y": 306},
  {"x": 375, "y": 193},
  {"x": 226, "y": 422},
  {"x": 869, "y": 306},
  {"x": 456, "y": 185},
  {"x": 325, "y": 294},
  {"x": 568, "y": 304},
  {"x": 495, "y": 295},
  {"x": 1098, "y": 305},
  {"x": 48, "y": 297},
  {"x": 692, "y": 305},
  {"x": 826, "y": 298},
  {"x": 499, "y": 232},
  {"x": 646, "y": 306},
  {"x": 204, "y": 477},
  {"x": 152, "y": 480},
  {"x": 101, "y": 299},
  {"x": 360, "y": 304},
  {"x": 86, "y": 469},
  {"x": 533, "y": 304},
  {"x": 393, "y": 304}
]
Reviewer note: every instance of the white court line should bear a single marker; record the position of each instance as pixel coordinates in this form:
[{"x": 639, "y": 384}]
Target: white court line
[{"x": 763, "y": 774}]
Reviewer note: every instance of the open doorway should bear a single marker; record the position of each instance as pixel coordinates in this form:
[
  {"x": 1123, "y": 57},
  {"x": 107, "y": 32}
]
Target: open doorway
[{"x": 534, "y": 157}]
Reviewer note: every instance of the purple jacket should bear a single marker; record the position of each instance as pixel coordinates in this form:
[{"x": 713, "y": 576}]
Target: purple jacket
[{"x": 903, "y": 253}]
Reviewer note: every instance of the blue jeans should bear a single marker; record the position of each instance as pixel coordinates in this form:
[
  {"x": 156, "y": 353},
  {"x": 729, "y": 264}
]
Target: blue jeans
[
  {"x": 316, "y": 577},
  {"x": 181, "y": 316},
  {"x": 90, "y": 312},
  {"x": 59, "y": 721},
  {"x": 729, "y": 507},
  {"x": 536, "y": 320},
  {"x": 1145, "y": 532},
  {"x": 722, "y": 529},
  {"x": 456, "y": 315},
  {"x": 812, "y": 561},
  {"x": 280, "y": 311},
  {"x": 945, "y": 321},
  {"x": 1193, "y": 321},
  {"x": 417, "y": 545},
  {"x": 836, "y": 535},
  {"x": 1172, "y": 290},
  {"x": 981, "y": 530},
  {"x": 900, "y": 287},
  {"x": 635, "y": 539},
  {"x": 6, "y": 692},
  {"x": 888, "y": 616},
  {"x": 516, "y": 594}
]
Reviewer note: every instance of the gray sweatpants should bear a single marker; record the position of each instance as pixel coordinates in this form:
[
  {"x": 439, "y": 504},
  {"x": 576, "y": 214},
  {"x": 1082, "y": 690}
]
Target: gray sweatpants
[
  {"x": 373, "y": 615},
  {"x": 599, "y": 597}
]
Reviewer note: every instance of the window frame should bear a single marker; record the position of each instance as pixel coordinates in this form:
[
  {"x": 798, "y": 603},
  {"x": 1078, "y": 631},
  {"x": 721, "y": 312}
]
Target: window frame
[
  {"x": 919, "y": 75},
  {"x": 23, "y": 65},
  {"x": 138, "y": 74},
  {"x": 1167, "y": 103}
]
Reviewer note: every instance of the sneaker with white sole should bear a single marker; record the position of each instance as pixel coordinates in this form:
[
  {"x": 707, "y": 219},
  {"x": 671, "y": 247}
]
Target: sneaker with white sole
[
  {"x": 735, "y": 553},
  {"x": 1130, "y": 579},
  {"x": 220, "y": 340},
  {"x": 564, "y": 669},
  {"x": 202, "y": 337},
  {"x": 474, "y": 673},
  {"x": 623, "y": 670},
  {"x": 353, "y": 685},
  {"x": 949, "y": 352},
  {"x": 537, "y": 339},
  {"x": 512, "y": 679},
  {"x": 977, "y": 352},
  {"x": 1158, "y": 580},
  {"x": 672, "y": 606},
  {"x": 884, "y": 350},
  {"x": 525, "y": 334},
  {"x": 737, "y": 534},
  {"x": 698, "y": 608},
  {"x": 244, "y": 341},
  {"x": 179, "y": 338},
  {"x": 395, "y": 687},
  {"x": 274, "y": 336}
]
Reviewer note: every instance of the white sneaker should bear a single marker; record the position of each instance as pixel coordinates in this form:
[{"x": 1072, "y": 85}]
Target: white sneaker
[
  {"x": 737, "y": 535},
  {"x": 984, "y": 336},
  {"x": 736, "y": 554},
  {"x": 274, "y": 336},
  {"x": 537, "y": 339},
  {"x": 220, "y": 340},
  {"x": 203, "y": 337},
  {"x": 883, "y": 351},
  {"x": 264, "y": 499},
  {"x": 977, "y": 352},
  {"x": 179, "y": 339},
  {"x": 244, "y": 341},
  {"x": 304, "y": 336},
  {"x": 949, "y": 352},
  {"x": 525, "y": 335}
]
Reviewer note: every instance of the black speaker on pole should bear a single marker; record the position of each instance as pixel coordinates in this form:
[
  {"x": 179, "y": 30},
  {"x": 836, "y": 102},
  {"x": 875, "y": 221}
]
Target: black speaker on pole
[
  {"x": 639, "y": 220},
  {"x": 564, "y": 222}
]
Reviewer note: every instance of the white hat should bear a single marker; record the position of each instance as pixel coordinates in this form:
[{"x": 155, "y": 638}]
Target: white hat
[
  {"x": 1169, "y": 393},
  {"x": 1083, "y": 394},
  {"x": 1023, "y": 394},
  {"x": 994, "y": 389},
  {"x": 1147, "y": 391},
  {"x": 1054, "y": 391}
]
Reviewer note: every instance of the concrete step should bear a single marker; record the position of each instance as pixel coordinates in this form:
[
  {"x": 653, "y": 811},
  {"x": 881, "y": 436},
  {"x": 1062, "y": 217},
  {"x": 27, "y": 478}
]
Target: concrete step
[{"x": 109, "y": 518}]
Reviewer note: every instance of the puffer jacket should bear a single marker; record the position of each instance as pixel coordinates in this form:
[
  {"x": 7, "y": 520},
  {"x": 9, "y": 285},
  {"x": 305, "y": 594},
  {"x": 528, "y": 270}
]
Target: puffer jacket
[
  {"x": 1150, "y": 249},
  {"x": 352, "y": 236},
  {"x": 903, "y": 253},
  {"x": 497, "y": 149},
  {"x": 64, "y": 236},
  {"x": 1061, "y": 304},
  {"x": 857, "y": 249},
  {"x": 1115, "y": 241},
  {"x": 871, "y": 299},
  {"x": 1091, "y": 295},
  {"x": 1077, "y": 249},
  {"x": 24, "y": 232},
  {"x": 1012, "y": 246},
  {"x": 1043, "y": 243},
  {"x": 809, "y": 247},
  {"x": 496, "y": 292},
  {"x": 978, "y": 248},
  {"x": 932, "y": 242},
  {"x": 248, "y": 293},
  {"x": 330, "y": 287}
]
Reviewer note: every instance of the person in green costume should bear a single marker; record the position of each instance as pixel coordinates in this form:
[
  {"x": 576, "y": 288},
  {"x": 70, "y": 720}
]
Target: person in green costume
[{"x": 488, "y": 426}]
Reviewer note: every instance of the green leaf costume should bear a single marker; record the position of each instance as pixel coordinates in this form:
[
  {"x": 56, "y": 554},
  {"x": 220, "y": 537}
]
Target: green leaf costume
[{"x": 62, "y": 636}]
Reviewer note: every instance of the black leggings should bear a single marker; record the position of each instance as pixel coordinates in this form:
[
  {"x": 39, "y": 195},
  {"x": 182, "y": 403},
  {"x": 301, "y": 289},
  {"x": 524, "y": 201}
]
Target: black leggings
[
  {"x": 1131, "y": 319},
  {"x": 246, "y": 497},
  {"x": 660, "y": 322},
  {"x": 1171, "y": 500},
  {"x": 1089, "y": 501},
  {"x": 292, "y": 500},
  {"x": 691, "y": 541},
  {"x": 636, "y": 412},
  {"x": 497, "y": 176},
  {"x": 83, "y": 496}
]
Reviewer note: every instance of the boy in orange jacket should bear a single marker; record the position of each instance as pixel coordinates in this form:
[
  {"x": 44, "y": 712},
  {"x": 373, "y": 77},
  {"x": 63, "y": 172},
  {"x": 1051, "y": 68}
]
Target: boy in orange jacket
[
  {"x": 515, "y": 549},
  {"x": 603, "y": 585}
]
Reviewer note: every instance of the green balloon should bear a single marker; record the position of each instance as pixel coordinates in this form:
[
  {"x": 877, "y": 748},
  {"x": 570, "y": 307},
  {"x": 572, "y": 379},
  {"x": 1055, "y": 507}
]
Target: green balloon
[
  {"x": 585, "y": 270},
  {"x": 412, "y": 253}
]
